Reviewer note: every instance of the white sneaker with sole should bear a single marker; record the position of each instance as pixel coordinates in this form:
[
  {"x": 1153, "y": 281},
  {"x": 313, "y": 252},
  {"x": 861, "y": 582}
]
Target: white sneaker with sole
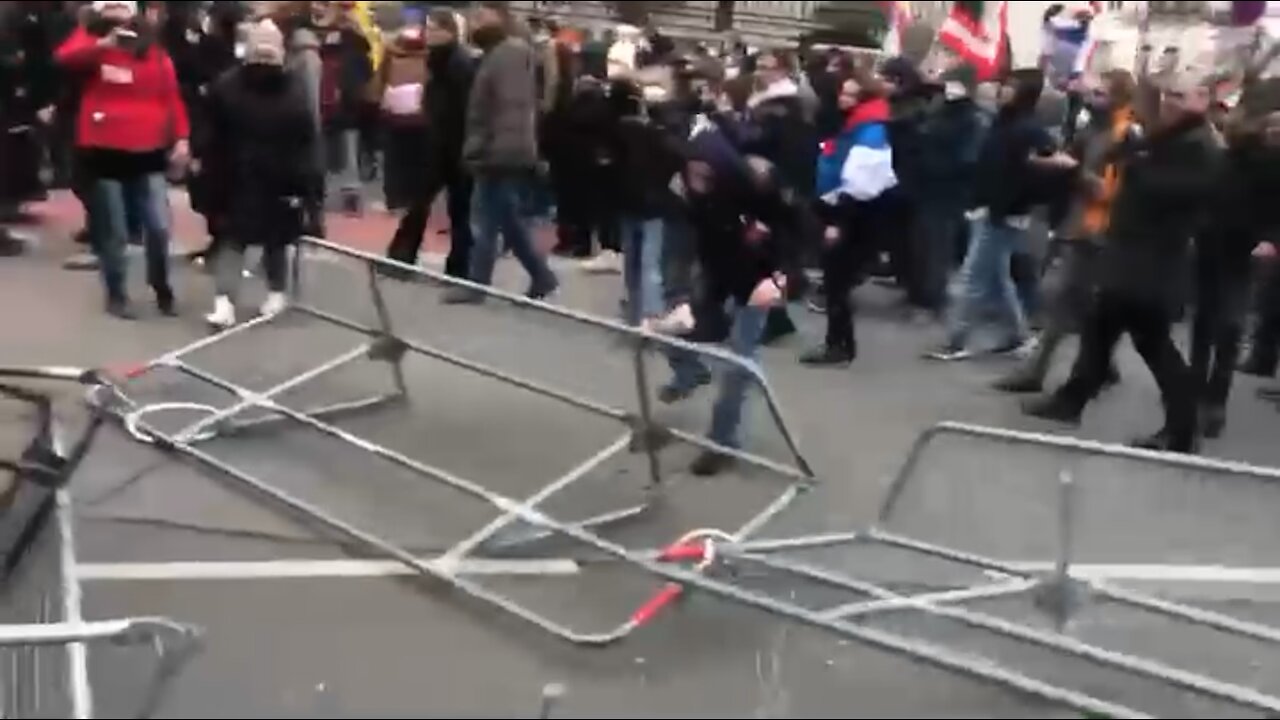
[
  {"x": 277, "y": 302},
  {"x": 224, "y": 313},
  {"x": 608, "y": 262},
  {"x": 677, "y": 322}
]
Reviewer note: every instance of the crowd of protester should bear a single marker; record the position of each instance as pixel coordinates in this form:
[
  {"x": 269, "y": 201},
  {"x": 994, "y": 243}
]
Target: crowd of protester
[{"x": 718, "y": 184}]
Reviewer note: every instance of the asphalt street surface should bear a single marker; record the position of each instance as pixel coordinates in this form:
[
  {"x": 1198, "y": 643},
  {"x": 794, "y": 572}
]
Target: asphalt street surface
[{"x": 359, "y": 646}]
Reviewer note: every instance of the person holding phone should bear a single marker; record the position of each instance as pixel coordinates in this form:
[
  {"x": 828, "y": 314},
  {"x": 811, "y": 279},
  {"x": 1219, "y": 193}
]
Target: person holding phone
[{"x": 131, "y": 130}]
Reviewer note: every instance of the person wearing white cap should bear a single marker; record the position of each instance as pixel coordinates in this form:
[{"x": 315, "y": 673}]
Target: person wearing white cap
[
  {"x": 262, "y": 164},
  {"x": 132, "y": 128}
]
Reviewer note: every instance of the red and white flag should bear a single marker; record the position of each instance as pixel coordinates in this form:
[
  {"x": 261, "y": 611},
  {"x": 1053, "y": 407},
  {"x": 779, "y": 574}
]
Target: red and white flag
[{"x": 978, "y": 32}]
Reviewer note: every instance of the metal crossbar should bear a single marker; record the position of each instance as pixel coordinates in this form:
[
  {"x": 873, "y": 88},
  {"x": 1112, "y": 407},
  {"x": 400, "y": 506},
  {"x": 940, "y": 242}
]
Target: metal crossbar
[{"x": 689, "y": 563}]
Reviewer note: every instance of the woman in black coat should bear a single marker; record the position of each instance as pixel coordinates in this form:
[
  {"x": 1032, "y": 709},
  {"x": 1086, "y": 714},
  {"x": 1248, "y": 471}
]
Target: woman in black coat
[{"x": 262, "y": 163}]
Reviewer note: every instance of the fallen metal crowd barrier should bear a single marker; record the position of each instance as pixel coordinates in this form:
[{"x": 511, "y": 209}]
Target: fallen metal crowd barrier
[
  {"x": 693, "y": 561},
  {"x": 38, "y": 492}
]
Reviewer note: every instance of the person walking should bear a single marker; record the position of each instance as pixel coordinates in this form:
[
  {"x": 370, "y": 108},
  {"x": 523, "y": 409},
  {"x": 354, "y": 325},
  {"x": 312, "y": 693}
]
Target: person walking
[
  {"x": 854, "y": 173},
  {"x": 1016, "y": 150},
  {"x": 261, "y": 165},
  {"x": 1072, "y": 278},
  {"x": 345, "y": 72},
  {"x": 132, "y": 127},
  {"x": 450, "y": 70},
  {"x": 501, "y": 150},
  {"x": 1166, "y": 191}
]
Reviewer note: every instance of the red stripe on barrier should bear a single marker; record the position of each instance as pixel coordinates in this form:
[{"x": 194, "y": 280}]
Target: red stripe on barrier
[
  {"x": 661, "y": 599},
  {"x": 687, "y": 552},
  {"x": 127, "y": 371}
]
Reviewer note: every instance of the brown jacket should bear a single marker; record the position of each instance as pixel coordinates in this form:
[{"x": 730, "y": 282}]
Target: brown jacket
[{"x": 403, "y": 64}]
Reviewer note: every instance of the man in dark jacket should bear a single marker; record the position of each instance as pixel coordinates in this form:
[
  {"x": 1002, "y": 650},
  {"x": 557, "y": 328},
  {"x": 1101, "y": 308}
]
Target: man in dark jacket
[
  {"x": 27, "y": 83},
  {"x": 1245, "y": 219},
  {"x": 949, "y": 140},
  {"x": 746, "y": 242},
  {"x": 1010, "y": 166},
  {"x": 1166, "y": 191},
  {"x": 779, "y": 130},
  {"x": 501, "y": 150},
  {"x": 1091, "y": 190},
  {"x": 445, "y": 97}
]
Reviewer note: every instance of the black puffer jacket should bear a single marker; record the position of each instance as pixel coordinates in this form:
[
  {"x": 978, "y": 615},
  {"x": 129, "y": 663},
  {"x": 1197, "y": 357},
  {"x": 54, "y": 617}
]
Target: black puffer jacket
[
  {"x": 1167, "y": 184},
  {"x": 648, "y": 156}
]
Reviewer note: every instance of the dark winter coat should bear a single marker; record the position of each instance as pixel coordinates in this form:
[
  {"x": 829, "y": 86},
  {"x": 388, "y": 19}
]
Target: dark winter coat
[
  {"x": 1007, "y": 183},
  {"x": 1166, "y": 191},
  {"x": 448, "y": 92},
  {"x": 28, "y": 83},
  {"x": 951, "y": 138},
  {"x": 1246, "y": 210},
  {"x": 648, "y": 157},
  {"x": 778, "y": 131},
  {"x": 503, "y": 109},
  {"x": 734, "y": 264},
  {"x": 263, "y": 147}
]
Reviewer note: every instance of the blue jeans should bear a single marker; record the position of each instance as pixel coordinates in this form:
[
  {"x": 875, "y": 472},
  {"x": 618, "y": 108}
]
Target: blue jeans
[
  {"x": 497, "y": 208},
  {"x": 145, "y": 200},
  {"x": 690, "y": 372},
  {"x": 642, "y": 242},
  {"x": 985, "y": 281}
]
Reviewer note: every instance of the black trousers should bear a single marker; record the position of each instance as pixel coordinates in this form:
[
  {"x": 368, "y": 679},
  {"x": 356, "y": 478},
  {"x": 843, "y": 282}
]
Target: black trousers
[
  {"x": 845, "y": 262},
  {"x": 1149, "y": 324},
  {"x": 1265, "y": 355},
  {"x": 1217, "y": 327},
  {"x": 407, "y": 242}
]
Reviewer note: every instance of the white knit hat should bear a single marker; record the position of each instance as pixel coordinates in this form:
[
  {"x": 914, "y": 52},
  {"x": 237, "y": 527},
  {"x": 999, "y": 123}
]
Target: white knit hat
[{"x": 130, "y": 5}]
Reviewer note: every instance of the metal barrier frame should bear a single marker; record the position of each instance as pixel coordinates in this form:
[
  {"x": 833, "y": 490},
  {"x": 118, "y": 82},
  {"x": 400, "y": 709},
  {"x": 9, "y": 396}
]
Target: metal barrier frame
[
  {"x": 1060, "y": 590},
  {"x": 643, "y": 434},
  {"x": 175, "y": 643}
]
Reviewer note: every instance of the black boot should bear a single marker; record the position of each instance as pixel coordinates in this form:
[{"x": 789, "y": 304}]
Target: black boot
[
  {"x": 1260, "y": 364},
  {"x": 710, "y": 464},
  {"x": 1166, "y": 441},
  {"x": 1213, "y": 420},
  {"x": 1054, "y": 408},
  {"x": 829, "y": 356},
  {"x": 1022, "y": 382}
]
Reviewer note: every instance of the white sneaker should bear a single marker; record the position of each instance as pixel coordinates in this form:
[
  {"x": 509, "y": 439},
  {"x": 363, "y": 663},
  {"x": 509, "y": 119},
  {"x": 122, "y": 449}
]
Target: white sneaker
[
  {"x": 608, "y": 262},
  {"x": 677, "y": 322},
  {"x": 224, "y": 313},
  {"x": 277, "y": 302}
]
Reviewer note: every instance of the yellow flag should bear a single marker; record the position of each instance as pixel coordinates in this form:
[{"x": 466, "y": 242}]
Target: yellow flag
[{"x": 364, "y": 18}]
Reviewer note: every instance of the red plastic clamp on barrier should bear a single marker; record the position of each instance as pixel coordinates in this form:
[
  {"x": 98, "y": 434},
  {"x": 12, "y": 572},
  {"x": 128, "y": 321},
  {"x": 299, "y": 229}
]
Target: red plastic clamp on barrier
[
  {"x": 660, "y": 600},
  {"x": 684, "y": 552},
  {"x": 127, "y": 371}
]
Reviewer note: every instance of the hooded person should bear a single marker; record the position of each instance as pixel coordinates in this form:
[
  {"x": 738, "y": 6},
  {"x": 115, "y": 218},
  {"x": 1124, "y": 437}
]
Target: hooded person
[
  {"x": 1166, "y": 183},
  {"x": 746, "y": 242},
  {"x": 445, "y": 96},
  {"x": 949, "y": 141},
  {"x": 132, "y": 128},
  {"x": 854, "y": 173},
  {"x": 262, "y": 139},
  {"x": 1109, "y": 122},
  {"x": 1010, "y": 168}
]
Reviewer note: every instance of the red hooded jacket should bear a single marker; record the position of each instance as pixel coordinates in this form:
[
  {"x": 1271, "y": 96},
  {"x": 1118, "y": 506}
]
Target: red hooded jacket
[{"x": 128, "y": 103}]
